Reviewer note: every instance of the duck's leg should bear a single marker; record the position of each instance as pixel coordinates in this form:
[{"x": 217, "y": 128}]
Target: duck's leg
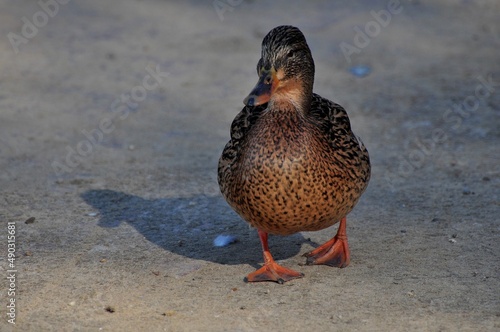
[
  {"x": 334, "y": 252},
  {"x": 271, "y": 271}
]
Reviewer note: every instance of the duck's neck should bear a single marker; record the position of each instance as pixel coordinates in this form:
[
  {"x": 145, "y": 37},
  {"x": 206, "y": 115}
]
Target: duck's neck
[{"x": 296, "y": 95}]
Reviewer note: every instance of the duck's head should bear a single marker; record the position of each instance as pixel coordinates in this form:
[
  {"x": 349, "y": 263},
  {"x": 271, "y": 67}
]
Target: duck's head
[{"x": 286, "y": 69}]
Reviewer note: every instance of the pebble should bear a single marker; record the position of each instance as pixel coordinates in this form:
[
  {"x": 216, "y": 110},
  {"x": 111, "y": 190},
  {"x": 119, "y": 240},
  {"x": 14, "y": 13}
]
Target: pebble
[
  {"x": 224, "y": 240},
  {"x": 110, "y": 309},
  {"x": 360, "y": 70},
  {"x": 466, "y": 191}
]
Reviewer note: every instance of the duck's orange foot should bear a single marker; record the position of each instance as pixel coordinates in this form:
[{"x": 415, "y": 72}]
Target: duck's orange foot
[
  {"x": 271, "y": 271},
  {"x": 334, "y": 252}
]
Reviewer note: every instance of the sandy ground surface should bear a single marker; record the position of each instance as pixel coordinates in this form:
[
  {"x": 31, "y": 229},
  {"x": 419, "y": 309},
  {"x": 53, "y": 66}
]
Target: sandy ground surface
[{"x": 123, "y": 190}]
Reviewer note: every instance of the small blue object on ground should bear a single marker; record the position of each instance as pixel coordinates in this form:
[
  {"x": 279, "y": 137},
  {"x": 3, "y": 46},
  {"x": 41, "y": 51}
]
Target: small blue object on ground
[
  {"x": 360, "y": 70},
  {"x": 224, "y": 240}
]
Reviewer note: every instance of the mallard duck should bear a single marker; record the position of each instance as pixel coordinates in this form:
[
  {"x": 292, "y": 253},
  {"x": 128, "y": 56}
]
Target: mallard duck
[{"x": 293, "y": 163}]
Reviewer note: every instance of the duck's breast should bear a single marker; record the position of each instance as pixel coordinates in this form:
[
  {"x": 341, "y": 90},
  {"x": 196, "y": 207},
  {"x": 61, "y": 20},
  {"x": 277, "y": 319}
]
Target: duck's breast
[{"x": 287, "y": 179}]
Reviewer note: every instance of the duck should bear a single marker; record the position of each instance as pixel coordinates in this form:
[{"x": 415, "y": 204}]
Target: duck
[{"x": 292, "y": 163}]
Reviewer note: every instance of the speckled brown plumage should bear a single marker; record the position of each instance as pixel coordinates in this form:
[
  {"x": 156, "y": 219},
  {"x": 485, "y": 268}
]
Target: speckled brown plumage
[{"x": 293, "y": 163}]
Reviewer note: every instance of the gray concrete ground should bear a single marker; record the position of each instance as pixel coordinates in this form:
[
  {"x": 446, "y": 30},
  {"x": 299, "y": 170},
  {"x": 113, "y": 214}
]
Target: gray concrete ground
[{"x": 113, "y": 115}]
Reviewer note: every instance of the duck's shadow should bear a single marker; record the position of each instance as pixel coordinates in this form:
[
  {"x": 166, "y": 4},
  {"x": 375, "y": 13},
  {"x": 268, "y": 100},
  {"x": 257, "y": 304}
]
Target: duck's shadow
[{"x": 188, "y": 226}]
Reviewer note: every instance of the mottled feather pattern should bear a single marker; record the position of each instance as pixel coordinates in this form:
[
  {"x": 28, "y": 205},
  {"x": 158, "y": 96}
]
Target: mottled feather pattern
[
  {"x": 239, "y": 128},
  {"x": 285, "y": 172},
  {"x": 334, "y": 121}
]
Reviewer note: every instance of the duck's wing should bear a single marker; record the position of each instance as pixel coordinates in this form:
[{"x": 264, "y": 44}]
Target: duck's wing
[
  {"x": 331, "y": 118},
  {"x": 333, "y": 121},
  {"x": 240, "y": 127}
]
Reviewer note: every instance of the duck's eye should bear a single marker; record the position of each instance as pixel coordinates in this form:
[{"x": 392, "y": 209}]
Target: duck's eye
[
  {"x": 290, "y": 54},
  {"x": 267, "y": 80}
]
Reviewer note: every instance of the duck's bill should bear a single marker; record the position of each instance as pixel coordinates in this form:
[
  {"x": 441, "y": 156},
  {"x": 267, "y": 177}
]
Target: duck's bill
[{"x": 261, "y": 93}]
